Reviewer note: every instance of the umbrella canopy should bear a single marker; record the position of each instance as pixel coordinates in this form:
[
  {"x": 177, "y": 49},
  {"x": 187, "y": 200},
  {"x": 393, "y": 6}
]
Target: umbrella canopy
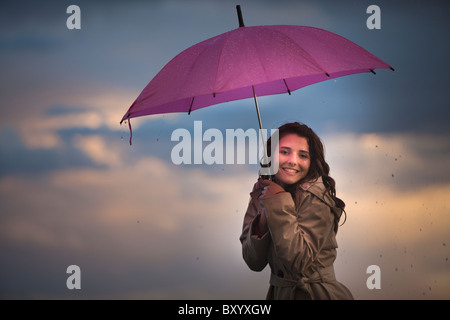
[{"x": 249, "y": 62}]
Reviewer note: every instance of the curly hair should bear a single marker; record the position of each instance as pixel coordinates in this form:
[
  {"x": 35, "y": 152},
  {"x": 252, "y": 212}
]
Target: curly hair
[{"x": 318, "y": 167}]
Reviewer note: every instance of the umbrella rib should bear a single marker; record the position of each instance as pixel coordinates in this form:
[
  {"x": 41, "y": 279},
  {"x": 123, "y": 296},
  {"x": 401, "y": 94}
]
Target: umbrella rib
[
  {"x": 289, "y": 91},
  {"x": 190, "y": 107},
  {"x": 311, "y": 58},
  {"x": 218, "y": 62},
  {"x": 261, "y": 64}
]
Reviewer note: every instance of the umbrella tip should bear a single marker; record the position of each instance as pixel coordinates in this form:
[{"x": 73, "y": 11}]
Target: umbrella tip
[{"x": 239, "y": 13}]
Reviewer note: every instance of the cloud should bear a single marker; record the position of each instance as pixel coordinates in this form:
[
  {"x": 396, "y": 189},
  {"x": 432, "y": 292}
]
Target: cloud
[
  {"x": 72, "y": 192},
  {"x": 149, "y": 214},
  {"x": 395, "y": 188},
  {"x": 399, "y": 160},
  {"x": 95, "y": 148},
  {"x": 165, "y": 231},
  {"x": 87, "y": 109},
  {"x": 403, "y": 232}
]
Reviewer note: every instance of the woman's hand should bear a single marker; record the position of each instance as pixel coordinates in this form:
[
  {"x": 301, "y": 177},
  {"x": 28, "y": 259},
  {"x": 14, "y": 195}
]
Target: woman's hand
[
  {"x": 266, "y": 188},
  {"x": 269, "y": 189}
]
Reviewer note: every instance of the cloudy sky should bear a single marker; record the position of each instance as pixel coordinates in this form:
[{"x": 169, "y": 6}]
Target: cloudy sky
[{"x": 74, "y": 192}]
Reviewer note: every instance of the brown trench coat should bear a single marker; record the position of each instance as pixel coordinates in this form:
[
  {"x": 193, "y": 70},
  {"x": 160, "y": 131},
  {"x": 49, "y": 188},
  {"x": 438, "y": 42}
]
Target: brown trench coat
[{"x": 300, "y": 246}]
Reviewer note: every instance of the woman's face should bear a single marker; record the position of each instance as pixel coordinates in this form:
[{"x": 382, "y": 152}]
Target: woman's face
[{"x": 294, "y": 159}]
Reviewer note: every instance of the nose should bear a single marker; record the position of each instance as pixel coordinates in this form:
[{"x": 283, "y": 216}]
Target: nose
[{"x": 293, "y": 159}]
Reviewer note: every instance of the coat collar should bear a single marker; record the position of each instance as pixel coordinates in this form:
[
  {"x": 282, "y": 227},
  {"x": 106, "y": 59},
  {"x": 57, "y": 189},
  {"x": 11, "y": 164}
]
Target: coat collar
[{"x": 317, "y": 188}]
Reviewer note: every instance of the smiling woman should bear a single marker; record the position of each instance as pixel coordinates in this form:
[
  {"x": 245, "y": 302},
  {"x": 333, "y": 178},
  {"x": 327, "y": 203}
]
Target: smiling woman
[
  {"x": 294, "y": 159},
  {"x": 292, "y": 220}
]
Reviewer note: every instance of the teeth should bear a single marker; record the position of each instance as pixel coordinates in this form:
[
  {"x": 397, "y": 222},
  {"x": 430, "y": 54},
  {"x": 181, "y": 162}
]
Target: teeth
[{"x": 290, "y": 170}]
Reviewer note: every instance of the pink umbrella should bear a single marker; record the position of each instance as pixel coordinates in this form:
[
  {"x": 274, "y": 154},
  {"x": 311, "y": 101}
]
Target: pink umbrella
[{"x": 249, "y": 62}]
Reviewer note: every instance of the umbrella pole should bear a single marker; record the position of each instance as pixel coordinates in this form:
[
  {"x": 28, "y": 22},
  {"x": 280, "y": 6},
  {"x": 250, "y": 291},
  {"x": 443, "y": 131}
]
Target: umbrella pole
[{"x": 266, "y": 162}]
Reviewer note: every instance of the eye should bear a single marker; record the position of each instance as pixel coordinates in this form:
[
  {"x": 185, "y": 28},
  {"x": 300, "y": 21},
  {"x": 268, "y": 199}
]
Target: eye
[
  {"x": 284, "y": 152},
  {"x": 304, "y": 155}
]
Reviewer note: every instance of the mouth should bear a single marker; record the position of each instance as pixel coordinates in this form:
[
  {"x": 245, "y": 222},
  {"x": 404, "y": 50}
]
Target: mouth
[{"x": 290, "y": 171}]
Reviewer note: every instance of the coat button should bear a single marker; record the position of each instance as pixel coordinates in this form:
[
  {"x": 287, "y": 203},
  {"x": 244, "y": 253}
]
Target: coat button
[{"x": 280, "y": 274}]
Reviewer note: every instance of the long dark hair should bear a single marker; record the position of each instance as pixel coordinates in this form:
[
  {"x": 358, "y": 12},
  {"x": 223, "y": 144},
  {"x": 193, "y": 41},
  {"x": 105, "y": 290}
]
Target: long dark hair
[{"x": 318, "y": 167}]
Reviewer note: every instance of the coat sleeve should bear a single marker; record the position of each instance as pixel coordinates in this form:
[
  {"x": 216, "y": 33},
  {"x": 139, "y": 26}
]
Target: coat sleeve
[
  {"x": 255, "y": 246},
  {"x": 298, "y": 239}
]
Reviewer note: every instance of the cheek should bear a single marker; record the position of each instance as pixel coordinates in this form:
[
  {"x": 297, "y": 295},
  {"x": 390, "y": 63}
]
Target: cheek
[
  {"x": 305, "y": 165},
  {"x": 281, "y": 159}
]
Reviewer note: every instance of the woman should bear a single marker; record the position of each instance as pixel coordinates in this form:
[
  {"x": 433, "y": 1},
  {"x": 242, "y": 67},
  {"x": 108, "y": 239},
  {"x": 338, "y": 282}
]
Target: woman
[{"x": 292, "y": 220}]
